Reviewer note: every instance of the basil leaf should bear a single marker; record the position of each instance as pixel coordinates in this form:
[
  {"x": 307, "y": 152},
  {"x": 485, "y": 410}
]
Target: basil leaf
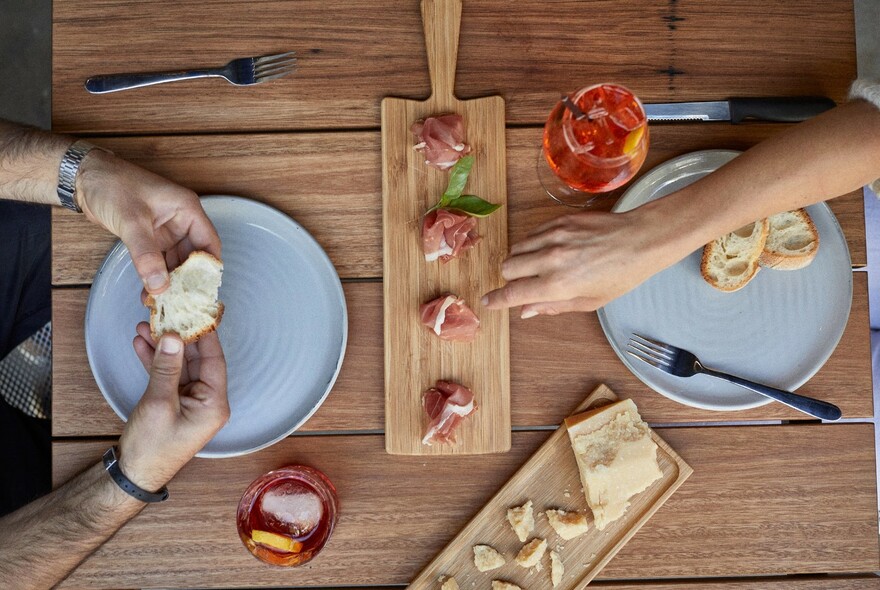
[
  {"x": 457, "y": 178},
  {"x": 472, "y": 205}
]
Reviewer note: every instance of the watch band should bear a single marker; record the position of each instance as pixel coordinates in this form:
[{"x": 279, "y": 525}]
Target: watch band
[
  {"x": 68, "y": 170},
  {"x": 111, "y": 465}
]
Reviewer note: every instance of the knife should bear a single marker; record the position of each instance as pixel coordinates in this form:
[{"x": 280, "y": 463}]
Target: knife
[{"x": 736, "y": 110}]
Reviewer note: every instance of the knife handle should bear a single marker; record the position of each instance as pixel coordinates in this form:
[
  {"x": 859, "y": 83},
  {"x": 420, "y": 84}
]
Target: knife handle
[{"x": 780, "y": 110}]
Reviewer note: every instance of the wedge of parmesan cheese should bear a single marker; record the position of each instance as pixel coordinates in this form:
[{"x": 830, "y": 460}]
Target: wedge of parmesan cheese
[
  {"x": 499, "y": 585},
  {"x": 449, "y": 584},
  {"x": 556, "y": 568},
  {"x": 531, "y": 553},
  {"x": 616, "y": 457},
  {"x": 522, "y": 519},
  {"x": 486, "y": 558},
  {"x": 568, "y": 525}
]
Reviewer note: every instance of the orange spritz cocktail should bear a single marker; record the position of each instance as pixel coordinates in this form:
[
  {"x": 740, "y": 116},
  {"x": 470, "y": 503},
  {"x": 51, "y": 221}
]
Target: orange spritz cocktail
[
  {"x": 286, "y": 516},
  {"x": 595, "y": 140}
]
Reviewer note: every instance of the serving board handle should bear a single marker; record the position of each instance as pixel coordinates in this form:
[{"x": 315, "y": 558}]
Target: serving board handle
[{"x": 442, "y": 21}]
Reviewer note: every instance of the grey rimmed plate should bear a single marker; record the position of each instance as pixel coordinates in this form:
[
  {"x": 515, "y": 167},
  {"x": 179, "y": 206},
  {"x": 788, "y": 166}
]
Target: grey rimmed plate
[
  {"x": 283, "y": 332},
  {"x": 779, "y": 329}
]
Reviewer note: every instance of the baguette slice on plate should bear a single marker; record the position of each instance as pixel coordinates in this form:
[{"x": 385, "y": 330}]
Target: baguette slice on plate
[
  {"x": 792, "y": 243},
  {"x": 731, "y": 261},
  {"x": 189, "y": 307}
]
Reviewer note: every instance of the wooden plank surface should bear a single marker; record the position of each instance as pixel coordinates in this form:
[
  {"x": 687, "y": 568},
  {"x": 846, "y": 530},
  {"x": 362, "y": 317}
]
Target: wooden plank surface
[
  {"x": 553, "y": 361},
  {"x": 528, "y": 51},
  {"x": 416, "y": 359},
  {"x": 341, "y": 205},
  {"x": 550, "y": 480},
  {"x": 754, "y": 506}
]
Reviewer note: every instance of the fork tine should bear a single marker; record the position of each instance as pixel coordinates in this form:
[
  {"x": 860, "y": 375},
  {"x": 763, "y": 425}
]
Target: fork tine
[
  {"x": 261, "y": 79},
  {"x": 269, "y": 69},
  {"x": 267, "y": 58},
  {"x": 647, "y": 360},
  {"x": 644, "y": 351},
  {"x": 661, "y": 345},
  {"x": 653, "y": 345}
]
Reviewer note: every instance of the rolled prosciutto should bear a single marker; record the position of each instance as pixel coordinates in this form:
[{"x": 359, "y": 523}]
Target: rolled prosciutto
[
  {"x": 441, "y": 140},
  {"x": 447, "y": 233},
  {"x": 450, "y": 319},
  {"x": 446, "y": 404}
]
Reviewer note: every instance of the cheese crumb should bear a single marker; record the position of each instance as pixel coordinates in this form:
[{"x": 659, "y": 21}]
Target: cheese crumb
[
  {"x": 568, "y": 525},
  {"x": 449, "y": 583},
  {"x": 486, "y": 558},
  {"x": 499, "y": 585},
  {"x": 531, "y": 553},
  {"x": 556, "y": 568},
  {"x": 522, "y": 519}
]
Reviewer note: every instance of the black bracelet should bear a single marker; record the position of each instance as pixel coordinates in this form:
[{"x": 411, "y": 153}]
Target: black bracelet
[{"x": 111, "y": 465}]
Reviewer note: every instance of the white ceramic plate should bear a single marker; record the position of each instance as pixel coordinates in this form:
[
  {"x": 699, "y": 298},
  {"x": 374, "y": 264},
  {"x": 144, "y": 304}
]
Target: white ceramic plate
[
  {"x": 778, "y": 330},
  {"x": 283, "y": 332}
]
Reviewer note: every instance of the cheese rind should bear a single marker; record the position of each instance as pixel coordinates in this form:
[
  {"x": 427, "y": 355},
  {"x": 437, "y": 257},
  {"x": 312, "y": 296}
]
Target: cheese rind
[
  {"x": 522, "y": 519},
  {"x": 531, "y": 553},
  {"x": 487, "y": 558},
  {"x": 616, "y": 457}
]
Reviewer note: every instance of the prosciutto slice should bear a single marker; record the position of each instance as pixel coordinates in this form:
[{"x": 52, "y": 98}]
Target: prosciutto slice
[
  {"x": 446, "y": 233},
  {"x": 441, "y": 140},
  {"x": 446, "y": 404},
  {"x": 450, "y": 318}
]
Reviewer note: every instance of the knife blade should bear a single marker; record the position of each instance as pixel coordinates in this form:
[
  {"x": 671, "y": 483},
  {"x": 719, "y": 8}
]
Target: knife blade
[{"x": 736, "y": 110}]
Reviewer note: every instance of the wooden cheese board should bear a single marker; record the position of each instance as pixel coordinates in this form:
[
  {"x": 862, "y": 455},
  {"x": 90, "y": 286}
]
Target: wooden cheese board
[
  {"x": 550, "y": 479},
  {"x": 414, "y": 357}
]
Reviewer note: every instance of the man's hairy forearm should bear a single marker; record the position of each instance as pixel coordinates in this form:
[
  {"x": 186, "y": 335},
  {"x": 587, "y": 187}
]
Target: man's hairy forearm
[
  {"x": 41, "y": 543},
  {"x": 29, "y": 160}
]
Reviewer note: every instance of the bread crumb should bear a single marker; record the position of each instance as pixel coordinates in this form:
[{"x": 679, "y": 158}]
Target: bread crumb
[
  {"x": 449, "y": 583},
  {"x": 556, "y": 568},
  {"x": 499, "y": 585},
  {"x": 522, "y": 519},
  {"x": 568, "y": 525},
  {"x": 567, "y": 495},
  {"x": 531, "y": 553},
  {"x": 487, "y": 558}
]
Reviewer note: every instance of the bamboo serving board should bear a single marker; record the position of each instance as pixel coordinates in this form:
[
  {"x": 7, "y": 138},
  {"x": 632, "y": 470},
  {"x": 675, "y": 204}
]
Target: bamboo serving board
[
  {"x": 550, "y": 479},
  {"x": 414, "y": 357}
]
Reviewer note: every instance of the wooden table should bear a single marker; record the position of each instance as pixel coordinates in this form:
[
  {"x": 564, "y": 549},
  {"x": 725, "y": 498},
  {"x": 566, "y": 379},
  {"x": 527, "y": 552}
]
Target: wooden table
[{"x": 777, "y": 496}]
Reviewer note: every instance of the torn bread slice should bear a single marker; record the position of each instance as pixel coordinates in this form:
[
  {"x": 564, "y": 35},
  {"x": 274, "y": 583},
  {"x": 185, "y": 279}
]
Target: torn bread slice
[
  {"x": 792, "y": 243},
  {"x": 731, "y": 261},
  {"x": 189, "y": 307}
]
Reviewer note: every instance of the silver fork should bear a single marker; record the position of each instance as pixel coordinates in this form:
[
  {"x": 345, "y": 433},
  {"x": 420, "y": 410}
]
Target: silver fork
[
  {"x": 240, "y": 72},
  {"x": 682, "y": 363}
]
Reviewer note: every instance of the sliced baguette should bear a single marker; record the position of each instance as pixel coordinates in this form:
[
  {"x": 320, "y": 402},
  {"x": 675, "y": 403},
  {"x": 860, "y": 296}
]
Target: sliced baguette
[
  {"x": 792, "y": 243},
  {"x": 189, "y": 307},
  {"x": 731, "y": 261}
]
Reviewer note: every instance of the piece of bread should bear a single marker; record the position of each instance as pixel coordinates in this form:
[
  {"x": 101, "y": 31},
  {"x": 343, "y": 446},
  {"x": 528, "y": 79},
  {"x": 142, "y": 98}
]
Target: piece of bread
[
  {"x": 189, "y": 307},
  {"x": 616, "y": 458},
  {"x": 568, "y": 525},
  {"x": 792, "y": 243},
  {"x": 556, "y": 568},
  {"x": 531, "y": 553},
  {"x": 501, "y": 585},
  {"x": 731, "y": 261},
  {"x": 522, "y": 519},
  {"x": 487, "y": 558},
  {"x": 448, "y": 583}
]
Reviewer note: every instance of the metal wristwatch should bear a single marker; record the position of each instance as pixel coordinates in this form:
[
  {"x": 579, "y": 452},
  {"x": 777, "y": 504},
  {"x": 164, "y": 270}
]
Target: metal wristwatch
[
  {"x": 111, "y": 465},
  {"x": 68, "y": 170}
]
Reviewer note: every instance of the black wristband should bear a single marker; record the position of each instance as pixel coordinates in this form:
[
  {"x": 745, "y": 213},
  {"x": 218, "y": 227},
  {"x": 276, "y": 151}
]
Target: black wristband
[{"x": 111, "y": 465}]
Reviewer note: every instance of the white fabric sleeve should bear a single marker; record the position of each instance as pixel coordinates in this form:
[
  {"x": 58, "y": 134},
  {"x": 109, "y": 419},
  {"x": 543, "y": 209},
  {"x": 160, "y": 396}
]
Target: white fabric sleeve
[{"x": 866, "y": 90}]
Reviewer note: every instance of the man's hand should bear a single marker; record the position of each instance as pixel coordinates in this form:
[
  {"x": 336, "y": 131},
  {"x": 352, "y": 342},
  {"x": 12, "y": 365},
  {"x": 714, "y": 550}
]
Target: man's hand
[
  {"x": 182, "y": 409},
  {"x": 159, "y": 221},
  {"x": 581, "y": 261}
]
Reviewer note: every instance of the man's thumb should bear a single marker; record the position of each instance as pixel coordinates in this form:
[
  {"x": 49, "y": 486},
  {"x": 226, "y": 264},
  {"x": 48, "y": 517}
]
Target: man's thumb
[
  {"x": 148, "y": 259},
  {"x": 167, "y": 364}
]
